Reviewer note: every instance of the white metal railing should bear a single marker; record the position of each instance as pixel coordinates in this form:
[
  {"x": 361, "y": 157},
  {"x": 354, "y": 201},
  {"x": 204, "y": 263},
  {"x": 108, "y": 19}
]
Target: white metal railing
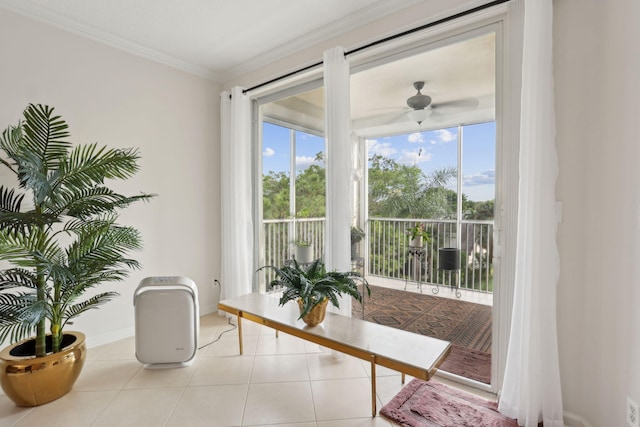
[
  {"x": 279, "y": 235},
  {"x": 389, "y": 254}
]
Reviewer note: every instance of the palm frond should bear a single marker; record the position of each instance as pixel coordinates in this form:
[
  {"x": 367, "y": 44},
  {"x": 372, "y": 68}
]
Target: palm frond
[
  {"x": 9, "y": 200},
  {"x": 91, "y": 303},
  {"x": 9, "y": 143},
  {"x": 103, "y": 242},
  {"x": 97, "y": 200},
  {"x": 440, "y": 177},
  {"x": 12, "y": 217},
  {"x": 44, "y": 135},
  {"x": 88, "y": 165},
  {"x": 10, "y": 204},
  {"x": 17, "y": 278},
  {"x": 19, "y": 314},
  {"x": 99, "y": 253},
  {"x": 33, "y": 250},
  {"x": 32, "y": 175}
]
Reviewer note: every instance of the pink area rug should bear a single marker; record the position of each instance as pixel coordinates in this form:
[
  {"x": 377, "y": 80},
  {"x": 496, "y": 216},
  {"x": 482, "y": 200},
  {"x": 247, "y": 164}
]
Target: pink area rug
[{"x": 433, "y": 404}]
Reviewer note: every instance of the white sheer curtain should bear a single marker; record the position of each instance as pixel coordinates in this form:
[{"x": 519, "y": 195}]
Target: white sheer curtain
[
  {"x": 235, "y": 174},
  {"x": 337, "y": 252},
  {"x": 531, "y": 390}
]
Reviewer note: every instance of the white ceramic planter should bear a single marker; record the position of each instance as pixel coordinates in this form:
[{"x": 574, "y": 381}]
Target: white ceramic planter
[
  {"x": 303, "y": 254},
  {"x": 416, "y": 242}
]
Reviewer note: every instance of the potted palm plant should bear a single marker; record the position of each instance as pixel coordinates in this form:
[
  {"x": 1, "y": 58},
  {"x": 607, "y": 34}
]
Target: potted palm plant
[
  {"x": 313, "y": 287},
  {"x": 59, "y": 239}
]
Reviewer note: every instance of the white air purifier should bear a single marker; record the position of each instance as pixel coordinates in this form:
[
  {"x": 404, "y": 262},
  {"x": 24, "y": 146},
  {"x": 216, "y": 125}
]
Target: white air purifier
[{"x": 166, "y": 321}]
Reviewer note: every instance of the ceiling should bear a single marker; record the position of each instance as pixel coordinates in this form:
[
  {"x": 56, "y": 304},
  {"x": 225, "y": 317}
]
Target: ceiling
[
  {"x": 222, "y": 39},
  {"x": 459, "y": 77},
  {"x": 217, "y": 39}
]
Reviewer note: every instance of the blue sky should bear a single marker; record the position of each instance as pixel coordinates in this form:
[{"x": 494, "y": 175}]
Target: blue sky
[{"x": 428, "y": 150}]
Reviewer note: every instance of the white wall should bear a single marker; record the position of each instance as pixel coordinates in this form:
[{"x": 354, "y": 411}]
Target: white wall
[
  {"x": 573, "y": 45},
  {"x": 596, "y": 54},
  {"x": 121, "y": 100}
]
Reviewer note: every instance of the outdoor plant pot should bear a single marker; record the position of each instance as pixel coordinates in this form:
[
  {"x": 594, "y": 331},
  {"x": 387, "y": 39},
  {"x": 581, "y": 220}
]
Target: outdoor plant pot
[
  {"x": 304, "y": 254},
  {"x": 33, "y": 381},
  {"x": 416, "y": 242},
  {"x": 317, "y": 313}
]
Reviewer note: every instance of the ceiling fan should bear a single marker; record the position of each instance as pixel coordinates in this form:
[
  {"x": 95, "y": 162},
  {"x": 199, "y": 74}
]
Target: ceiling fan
[{"x": 422, "y": 108}]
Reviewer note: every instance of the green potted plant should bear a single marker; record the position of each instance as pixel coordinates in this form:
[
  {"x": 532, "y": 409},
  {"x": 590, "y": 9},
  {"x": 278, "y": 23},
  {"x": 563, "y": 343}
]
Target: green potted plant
[
  {"x": 418, "y": 235},
  {"x": 312, "y": 287},
  {"x": 60, "y": 240},
  {"x": 303, "y": 250}
]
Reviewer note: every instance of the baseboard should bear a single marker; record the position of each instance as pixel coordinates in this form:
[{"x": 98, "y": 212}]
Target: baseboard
[
  {"x": 574, "y": 420},
  {"x": 109, "y": 337},
  {"x": 208, "y": 309}
]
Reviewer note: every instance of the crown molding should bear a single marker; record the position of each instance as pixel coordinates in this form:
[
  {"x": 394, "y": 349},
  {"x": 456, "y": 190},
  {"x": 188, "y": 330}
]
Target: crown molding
[
  {"x": 340, "y": 26},
  {"x": 70, "y": 25}
]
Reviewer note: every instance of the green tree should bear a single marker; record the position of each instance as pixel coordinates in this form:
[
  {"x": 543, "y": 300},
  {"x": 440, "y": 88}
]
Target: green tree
[
  {"x": 311, "y": 189},
  {"x": 478, "y": 210},
  {"x": 402, "y": 191},
  {"x": 310, "y": 192},
  {"x": 275, "y": 195}
]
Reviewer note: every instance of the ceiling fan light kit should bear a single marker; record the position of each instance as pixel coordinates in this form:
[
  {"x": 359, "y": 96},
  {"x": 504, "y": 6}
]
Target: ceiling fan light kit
[
  {"x": 419, "y": 102},
  {"x": 419, "y": 115}
]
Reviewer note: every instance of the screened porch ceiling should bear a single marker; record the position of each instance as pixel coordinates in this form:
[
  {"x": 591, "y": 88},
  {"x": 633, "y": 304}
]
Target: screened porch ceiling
[{"x": 462, "y": 73}]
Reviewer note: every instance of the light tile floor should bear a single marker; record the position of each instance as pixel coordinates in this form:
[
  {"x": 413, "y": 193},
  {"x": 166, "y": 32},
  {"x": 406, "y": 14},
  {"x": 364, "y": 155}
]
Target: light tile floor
[{"x": 279, "y": 381}]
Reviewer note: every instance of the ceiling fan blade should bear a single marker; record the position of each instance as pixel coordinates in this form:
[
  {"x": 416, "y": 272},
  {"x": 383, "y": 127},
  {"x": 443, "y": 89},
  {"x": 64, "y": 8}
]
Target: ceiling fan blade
[
  {"x": 437, "y": 116},
  {"x": 402, "y": 117},
  {"x": 459, "y": 104}
]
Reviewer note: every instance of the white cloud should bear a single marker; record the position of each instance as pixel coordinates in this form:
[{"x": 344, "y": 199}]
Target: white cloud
[
  {"x": 268, "y": 152},
  {"x": 382, "y": 148},
  {"x": 416, "y": 137},
  {"x": 444, "y": 135},
  {"x": 303, "y": 162},
  {"x": 481, "y": 178}
]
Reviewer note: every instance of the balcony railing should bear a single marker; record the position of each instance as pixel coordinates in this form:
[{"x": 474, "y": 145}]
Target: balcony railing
[
  {"x": 390, "y": 256},
  {"x": 279, "y": 235}
]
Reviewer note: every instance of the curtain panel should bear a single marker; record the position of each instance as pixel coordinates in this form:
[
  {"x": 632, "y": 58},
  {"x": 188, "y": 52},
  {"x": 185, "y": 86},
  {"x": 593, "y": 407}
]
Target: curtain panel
[
  {"x": 531, "y": 390},
  {"x": 236, "y": 197}
]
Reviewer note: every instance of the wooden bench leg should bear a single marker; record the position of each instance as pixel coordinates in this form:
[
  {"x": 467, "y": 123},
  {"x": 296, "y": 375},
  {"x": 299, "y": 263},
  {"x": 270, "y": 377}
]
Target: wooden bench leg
[
  {"x": 240, "y": 334},
  {"x": 373, "y": 386}
]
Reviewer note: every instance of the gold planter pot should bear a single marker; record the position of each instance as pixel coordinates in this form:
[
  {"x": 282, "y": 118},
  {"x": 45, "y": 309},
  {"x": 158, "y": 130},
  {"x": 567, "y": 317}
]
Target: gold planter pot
[
  {"x": 316, "y": 315},
  {"x": 33, "y": 381}
]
